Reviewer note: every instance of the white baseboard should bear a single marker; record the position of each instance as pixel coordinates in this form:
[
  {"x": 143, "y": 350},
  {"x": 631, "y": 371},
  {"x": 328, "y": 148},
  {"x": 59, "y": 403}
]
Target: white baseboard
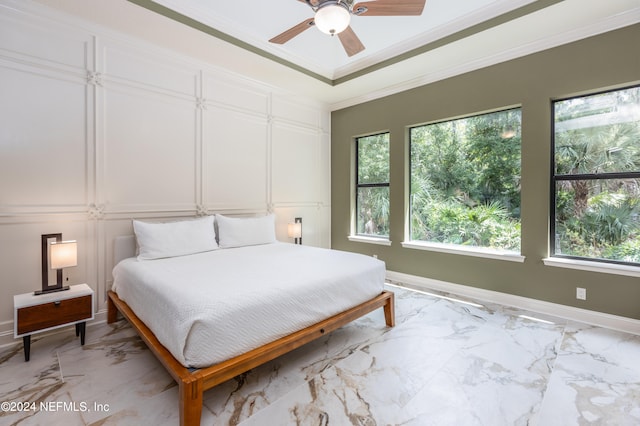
[
  {"x": 614, "y": 322},
  {"x": 6, "y": 329}
]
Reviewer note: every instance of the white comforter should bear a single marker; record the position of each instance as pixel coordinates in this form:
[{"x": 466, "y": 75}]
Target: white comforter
[{"x": 208, "y": 307}]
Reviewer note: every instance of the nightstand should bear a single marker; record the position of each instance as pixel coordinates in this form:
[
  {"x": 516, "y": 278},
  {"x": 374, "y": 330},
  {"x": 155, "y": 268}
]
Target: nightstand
[{"x": 35, "y": 314}]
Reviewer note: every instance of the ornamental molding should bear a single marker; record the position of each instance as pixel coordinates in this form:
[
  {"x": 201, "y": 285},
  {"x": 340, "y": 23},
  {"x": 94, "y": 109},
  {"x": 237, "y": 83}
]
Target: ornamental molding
[
  {"x": 94, "y": 78},
  {"x": 202, "y": 210},
  {"x": 96, "y": 212},
  {"x": 201, "y": 103}
]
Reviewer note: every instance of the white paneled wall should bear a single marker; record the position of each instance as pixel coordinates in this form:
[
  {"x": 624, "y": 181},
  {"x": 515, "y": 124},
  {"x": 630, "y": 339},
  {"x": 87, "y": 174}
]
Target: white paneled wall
[{"x": 98, "y": 128}]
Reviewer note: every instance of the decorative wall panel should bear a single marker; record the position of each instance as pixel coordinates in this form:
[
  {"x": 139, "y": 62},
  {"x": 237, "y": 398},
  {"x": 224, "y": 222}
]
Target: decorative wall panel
[
  {"x": 288, "y": 108},
  {"x": 130, "y": 64},
  {"x": 235, "y": 93},
  {"x": 235, "y": 152},
  {"x": 43, "y": 166},
  {"x": 49, "y": 43},
  {"x": 98, "y": 129},
  {"x": 295, "y": 164},
  {"x": 149, "y": 151}
]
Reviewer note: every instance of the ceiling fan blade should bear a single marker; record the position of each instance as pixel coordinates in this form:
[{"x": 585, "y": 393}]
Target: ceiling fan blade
[
  {"x": 292, "y": 32},
  {"x": 390, "y": 8},
  {"x": 350, "y": 42}
]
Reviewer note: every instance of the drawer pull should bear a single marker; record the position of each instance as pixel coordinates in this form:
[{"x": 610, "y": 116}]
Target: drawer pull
[{"x": 56, "y": 303}]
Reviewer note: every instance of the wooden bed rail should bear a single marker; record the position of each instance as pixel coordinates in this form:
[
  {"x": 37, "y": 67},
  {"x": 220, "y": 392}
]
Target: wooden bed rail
[{"x": 192, "y": 384}]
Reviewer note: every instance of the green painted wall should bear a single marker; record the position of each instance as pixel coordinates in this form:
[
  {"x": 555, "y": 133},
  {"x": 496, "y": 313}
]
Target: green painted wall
[{"x": 608, "y": 60}]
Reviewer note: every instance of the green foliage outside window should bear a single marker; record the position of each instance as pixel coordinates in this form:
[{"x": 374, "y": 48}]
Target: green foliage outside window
[
  {"x": 465, "y": 181},
  {"x": 372, "y": 186},
  {"x": 597, "y": 176}
]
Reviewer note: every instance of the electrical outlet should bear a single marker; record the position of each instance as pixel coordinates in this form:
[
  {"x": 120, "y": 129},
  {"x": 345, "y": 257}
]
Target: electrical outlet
[{"x": 581, "y": 293}]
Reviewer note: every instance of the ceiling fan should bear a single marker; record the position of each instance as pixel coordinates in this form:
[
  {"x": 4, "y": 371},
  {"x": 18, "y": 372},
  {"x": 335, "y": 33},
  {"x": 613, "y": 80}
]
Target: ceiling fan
[{"x": 333, "y": 17}]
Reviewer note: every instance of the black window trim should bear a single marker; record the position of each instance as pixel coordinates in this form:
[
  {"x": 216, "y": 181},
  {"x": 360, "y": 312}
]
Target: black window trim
[
  {"x": 367, "y": 185},
  {"x": 554, "y": 179}
]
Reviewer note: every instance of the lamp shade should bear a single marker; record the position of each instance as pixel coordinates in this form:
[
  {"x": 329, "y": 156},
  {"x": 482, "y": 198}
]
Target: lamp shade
[
  {"x": 295, "y": 230},
  {"x": 332, "y": 19},
  {"x": 63, "y": 254}
]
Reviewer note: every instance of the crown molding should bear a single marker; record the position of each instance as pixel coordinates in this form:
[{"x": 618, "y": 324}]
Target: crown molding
[{"x": 600, "y": 27}]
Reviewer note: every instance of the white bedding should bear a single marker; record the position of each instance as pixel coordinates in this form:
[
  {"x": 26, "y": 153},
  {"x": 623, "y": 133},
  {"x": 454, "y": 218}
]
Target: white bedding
[{"x": 208, "y": 307}]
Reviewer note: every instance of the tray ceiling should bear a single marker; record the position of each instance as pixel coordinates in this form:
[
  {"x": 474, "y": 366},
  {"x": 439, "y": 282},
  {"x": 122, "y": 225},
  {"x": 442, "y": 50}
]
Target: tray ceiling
[
  {"x": 448, "y": 38},
  {"x": 384, "y": 37}
]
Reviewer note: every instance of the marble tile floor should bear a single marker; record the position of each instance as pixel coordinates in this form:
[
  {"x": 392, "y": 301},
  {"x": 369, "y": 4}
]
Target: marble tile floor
[{"x": 445, "y": 363}]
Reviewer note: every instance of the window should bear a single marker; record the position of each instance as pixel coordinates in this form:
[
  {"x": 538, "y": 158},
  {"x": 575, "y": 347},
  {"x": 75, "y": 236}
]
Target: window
[
  {"x": 595, "y": 179},
  {"x": 465, "y": 181},
  {"x": 372, "y": 185}
]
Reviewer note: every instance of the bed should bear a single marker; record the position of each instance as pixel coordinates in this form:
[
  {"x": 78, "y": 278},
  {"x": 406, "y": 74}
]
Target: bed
[{"x": 278, "y": 297}]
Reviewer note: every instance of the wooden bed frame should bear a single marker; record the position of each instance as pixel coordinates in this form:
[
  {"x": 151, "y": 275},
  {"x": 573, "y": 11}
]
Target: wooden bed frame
[{"x": 192, "y": 383}]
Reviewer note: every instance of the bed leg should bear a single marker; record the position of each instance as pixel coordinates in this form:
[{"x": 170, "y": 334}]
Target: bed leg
[
  {"x": 190, "y": 402},
  {"x": 112, "y": 311},
  {"x": 390, "y": 311}
]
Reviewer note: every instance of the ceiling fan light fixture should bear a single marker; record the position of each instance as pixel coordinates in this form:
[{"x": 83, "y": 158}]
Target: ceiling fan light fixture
[{"x": 332, "y": 18}]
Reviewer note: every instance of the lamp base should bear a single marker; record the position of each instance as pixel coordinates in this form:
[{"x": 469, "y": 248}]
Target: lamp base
[{"x": 50, "y": 290}]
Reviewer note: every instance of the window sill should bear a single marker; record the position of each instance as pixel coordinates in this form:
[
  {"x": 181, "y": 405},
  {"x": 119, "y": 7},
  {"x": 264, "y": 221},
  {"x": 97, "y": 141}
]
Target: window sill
[
  {"x": 585, "y": 265},
  {"x": 369, "y": 240},
  {"x": 465, "y": 251}
]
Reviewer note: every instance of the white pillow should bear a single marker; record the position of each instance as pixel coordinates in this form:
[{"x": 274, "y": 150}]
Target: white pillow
[
  {"x": 169, "y": 239},
  {"x": 249, "y": 231}
]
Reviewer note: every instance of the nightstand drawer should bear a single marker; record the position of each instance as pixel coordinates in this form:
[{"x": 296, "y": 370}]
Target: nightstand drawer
[{"x": 39, "y": 317}]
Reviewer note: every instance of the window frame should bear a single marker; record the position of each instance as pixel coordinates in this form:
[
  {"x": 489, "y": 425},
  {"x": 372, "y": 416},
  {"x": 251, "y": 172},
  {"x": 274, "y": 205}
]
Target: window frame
[
  {"x": 554, "y": 179},
  {"x": 355, "y": 235},
  {"x": 460, "y": 249}
]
